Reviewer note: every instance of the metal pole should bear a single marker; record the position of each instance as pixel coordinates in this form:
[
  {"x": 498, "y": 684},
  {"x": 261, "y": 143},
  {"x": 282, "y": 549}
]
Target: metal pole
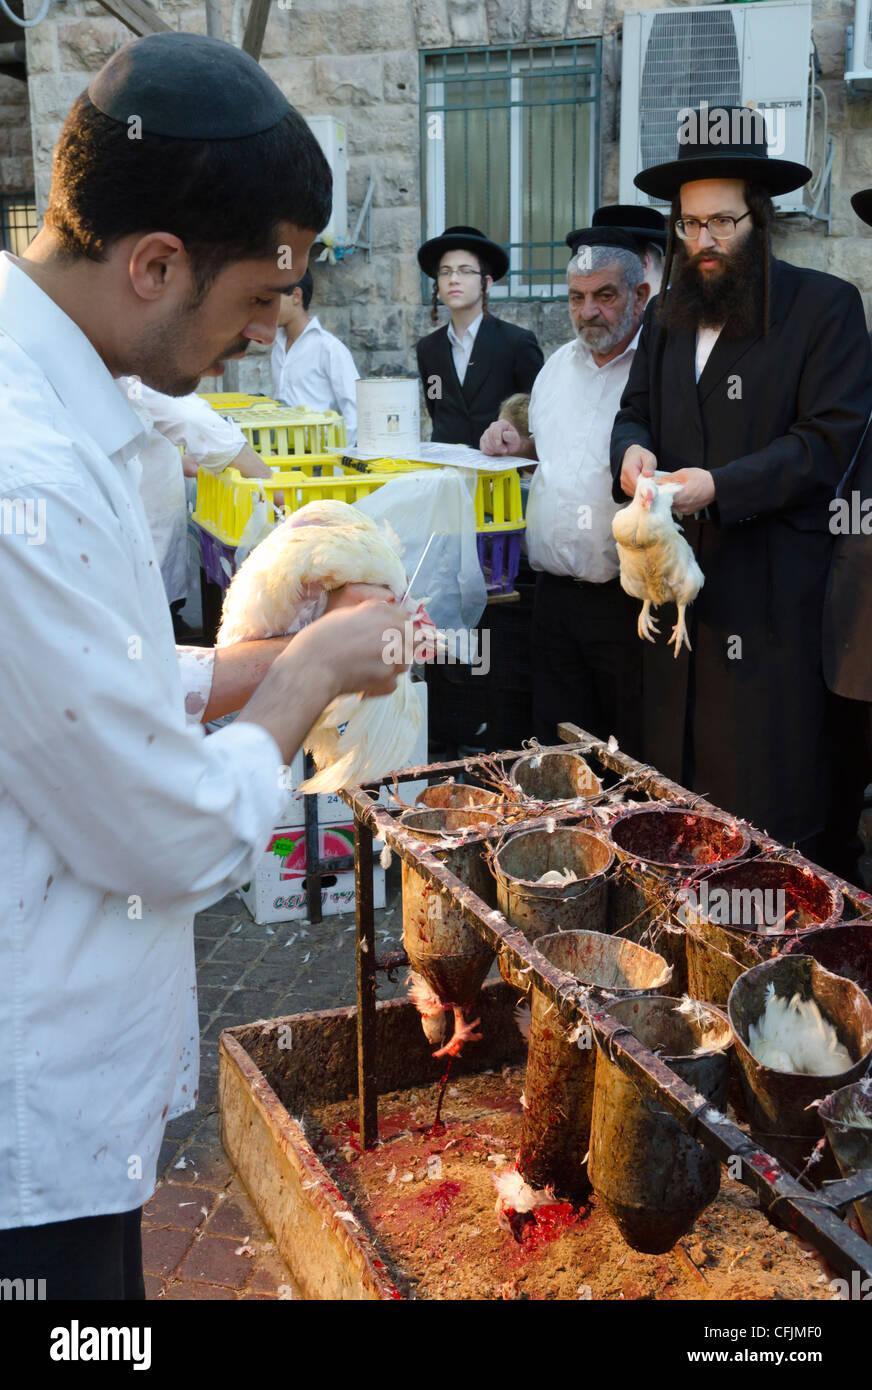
[
  {"x": 213, "y": 19},
  {"x": 367, "y": 1094}
]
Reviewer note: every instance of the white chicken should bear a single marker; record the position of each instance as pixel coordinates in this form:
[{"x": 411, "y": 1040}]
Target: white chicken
[
  {"x": 284, "y": 584},
  {"x": 517, "y": 1201},
  {"x": 793, "y": 1035},
  {"x": 657, "y": 564}
]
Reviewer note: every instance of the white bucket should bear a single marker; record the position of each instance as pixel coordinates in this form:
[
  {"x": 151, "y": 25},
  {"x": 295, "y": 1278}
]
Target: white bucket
[{"x": 388, "y": 415}]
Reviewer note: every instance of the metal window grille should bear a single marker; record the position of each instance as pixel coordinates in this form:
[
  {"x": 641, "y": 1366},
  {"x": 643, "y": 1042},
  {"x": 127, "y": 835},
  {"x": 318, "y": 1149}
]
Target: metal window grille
[
  {"x": 18, "y": 224},
  {"x": 510, "y": 141}
]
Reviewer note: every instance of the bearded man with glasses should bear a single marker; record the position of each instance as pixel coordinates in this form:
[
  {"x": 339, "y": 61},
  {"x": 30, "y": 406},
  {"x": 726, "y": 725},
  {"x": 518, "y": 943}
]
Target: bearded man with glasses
[
  {"x": 750, "y": 387},
  {"x": 475, "y": 361}
]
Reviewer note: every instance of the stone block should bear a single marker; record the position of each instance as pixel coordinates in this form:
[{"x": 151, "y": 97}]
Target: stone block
[
  {"x": 86, "y": 44},
  {"x": 374, "y": 132},
  {"x": 468, "y": 21},
  {"x": 52, "y": 95},
  {"x": 547, "y": 19},
  {"x": 858, "y": 158},
  {"x": 431, "y": 23},
  {"x": 380, "y": 330},
  {"x": 396, "y": 181},
  {"x": 829, "y": 37},
  {"x": 14, "y": 174},
  {"x": 398, "y": 229},
  {"x": 20, "y": 142},
  {"x": 586, "y": 18},
  {"x": 506, "y": 20},
  {"x": 401, "y": 77},
  {"x": 296, "y": 78},
  {"x": 354, "y": 80},
  {"x": 42, "y": 49}
]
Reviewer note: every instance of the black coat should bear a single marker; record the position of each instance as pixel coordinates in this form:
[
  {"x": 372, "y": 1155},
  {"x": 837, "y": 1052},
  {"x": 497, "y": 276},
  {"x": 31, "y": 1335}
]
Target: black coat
[
  {"x": 848, "y": 604},
  {"x": 505, "y": 359},
  {"x": 777, "y": 420}
]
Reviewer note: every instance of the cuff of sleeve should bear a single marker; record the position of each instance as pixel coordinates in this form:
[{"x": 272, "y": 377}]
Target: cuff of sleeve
[{"x": 197, "y": 670}]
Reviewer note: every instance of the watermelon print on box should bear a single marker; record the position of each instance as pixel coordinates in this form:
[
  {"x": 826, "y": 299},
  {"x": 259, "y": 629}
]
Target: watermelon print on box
[{"x": 277, "y": 893}]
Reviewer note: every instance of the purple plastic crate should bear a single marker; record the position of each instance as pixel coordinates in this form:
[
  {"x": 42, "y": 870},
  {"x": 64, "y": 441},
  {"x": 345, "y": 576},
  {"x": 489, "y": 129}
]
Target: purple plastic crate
[
  {"x": 212, "y": 552},
  {"x": 499, "y": 554}
]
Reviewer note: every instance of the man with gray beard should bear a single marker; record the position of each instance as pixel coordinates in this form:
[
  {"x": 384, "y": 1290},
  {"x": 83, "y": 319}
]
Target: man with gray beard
[{"x": 586, "y": 652}]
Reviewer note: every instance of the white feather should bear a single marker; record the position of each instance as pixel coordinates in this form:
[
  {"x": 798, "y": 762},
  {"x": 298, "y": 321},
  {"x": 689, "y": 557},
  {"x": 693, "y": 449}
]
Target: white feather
[{"x": 792, "y": 1035}]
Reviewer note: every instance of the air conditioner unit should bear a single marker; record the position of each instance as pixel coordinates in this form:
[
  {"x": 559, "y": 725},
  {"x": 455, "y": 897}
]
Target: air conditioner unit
[
  {"x": 722, "y": 55},
  {"x": 858, "y": 49},
  {"x": 330, "y": 135}
]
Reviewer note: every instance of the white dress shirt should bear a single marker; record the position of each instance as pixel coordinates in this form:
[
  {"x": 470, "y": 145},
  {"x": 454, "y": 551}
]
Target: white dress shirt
[
  {"x": 705, "y": 341},
  {"x": 317, "y": 370},
  {"x": 462, "y": 345},
  {"x": 570, "y": 509},
  {"x": 118, "y": 818},
  {"x": 210, "y": 440}
]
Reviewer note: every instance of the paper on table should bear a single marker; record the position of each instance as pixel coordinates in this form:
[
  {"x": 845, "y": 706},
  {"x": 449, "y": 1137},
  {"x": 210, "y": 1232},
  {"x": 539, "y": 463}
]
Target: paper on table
[{"x": 451, "y": 456}]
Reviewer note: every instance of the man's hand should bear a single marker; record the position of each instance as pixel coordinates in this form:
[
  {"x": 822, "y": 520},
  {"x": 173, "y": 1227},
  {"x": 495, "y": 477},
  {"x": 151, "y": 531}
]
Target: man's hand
[
  {"x": 636, "y": 460},
  {"x": 351, "y": 594},
  {"x": 351, "y": 646},
  {"x": 499, "y": 439},
  {"x": 697, "y": 489}
]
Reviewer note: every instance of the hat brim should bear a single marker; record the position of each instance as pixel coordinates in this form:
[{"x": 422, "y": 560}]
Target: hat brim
[
  {"x": 862, "y": 204},
  {"x": 640, "y": 235},
  {"x": 777, "y": 176},
  {"x": 431, "y": 253}
]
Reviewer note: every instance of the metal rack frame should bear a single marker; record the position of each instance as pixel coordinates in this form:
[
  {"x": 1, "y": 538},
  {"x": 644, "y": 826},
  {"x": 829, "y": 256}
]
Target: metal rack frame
[{"x": 812, "y": 1215}]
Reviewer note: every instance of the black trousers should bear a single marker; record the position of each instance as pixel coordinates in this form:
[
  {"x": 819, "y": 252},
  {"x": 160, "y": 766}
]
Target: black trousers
[
  {"x": 94, "y": 1257},
  {"x": 587, "y": 661}
]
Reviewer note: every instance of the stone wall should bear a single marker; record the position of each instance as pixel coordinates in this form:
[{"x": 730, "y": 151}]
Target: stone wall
[
  {"x": 16, "y": 158},
  {"x": 360, "y": 62}
]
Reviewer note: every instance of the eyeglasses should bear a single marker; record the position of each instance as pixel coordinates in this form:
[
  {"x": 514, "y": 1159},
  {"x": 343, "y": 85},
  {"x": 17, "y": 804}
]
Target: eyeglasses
[
  {"x": 721, "y": 227},
  {"x": 445, "y": 272}
]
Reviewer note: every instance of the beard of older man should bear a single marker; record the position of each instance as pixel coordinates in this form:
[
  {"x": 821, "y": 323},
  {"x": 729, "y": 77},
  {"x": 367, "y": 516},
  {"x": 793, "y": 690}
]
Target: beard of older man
[{"x": 733, "y": 297}]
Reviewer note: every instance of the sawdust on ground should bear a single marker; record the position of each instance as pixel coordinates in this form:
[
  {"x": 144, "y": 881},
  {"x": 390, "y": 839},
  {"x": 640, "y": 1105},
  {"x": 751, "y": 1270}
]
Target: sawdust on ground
[{"x": 428, "y": 1203}]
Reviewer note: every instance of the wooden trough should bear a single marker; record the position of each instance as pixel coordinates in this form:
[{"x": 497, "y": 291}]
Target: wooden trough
[{"x": 267, "y": 1075}]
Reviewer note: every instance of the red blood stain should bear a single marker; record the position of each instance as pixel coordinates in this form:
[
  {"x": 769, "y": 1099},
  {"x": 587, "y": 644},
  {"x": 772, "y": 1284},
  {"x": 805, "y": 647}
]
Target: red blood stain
[
  {"x": 441, "y": 1197},
  {"x": 549, "y": 1222}
]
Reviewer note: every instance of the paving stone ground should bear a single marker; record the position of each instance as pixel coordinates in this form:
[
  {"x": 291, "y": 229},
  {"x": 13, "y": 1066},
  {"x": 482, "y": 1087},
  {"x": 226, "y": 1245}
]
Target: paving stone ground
[{"x": 201, "y": 1236}]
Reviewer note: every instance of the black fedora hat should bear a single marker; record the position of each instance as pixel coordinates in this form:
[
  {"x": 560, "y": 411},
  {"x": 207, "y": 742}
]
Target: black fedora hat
[
  {"x": 722, "y": 142},
  {"x": 493, "y": 257},
  {"x": 636, "y": 228},
  {"x": 862, "y": 204}
]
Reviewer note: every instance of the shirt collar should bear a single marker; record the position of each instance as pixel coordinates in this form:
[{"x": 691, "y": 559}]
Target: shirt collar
[
  {"x": 471, "y": 329},
  {"x": 70, "y": 363}
]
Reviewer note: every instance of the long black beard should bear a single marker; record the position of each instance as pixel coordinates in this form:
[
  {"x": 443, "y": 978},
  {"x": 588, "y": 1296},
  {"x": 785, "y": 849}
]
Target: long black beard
[{"x": 734, "y": 298}]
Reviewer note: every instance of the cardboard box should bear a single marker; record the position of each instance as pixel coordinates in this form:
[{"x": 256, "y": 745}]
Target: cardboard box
[{"x": 277, "y": 892}]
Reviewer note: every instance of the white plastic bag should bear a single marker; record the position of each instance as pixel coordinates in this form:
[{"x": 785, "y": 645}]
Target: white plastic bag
[{"x": 438, "y": 502}]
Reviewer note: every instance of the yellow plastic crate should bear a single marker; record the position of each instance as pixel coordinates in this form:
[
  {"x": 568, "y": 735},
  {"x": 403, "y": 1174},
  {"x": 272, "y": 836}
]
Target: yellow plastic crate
[
  {"x": 281, "y": 430},
  {"x": 225, "y": 500},
  {"x": 233, "y": 400},
  {"x": 498, "y": 504}
]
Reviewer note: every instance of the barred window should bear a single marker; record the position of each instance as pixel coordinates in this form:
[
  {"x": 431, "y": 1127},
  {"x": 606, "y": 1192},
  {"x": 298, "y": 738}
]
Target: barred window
[
  {"x": 18, "y": 225},
  {"x": 510, "y": 140}
]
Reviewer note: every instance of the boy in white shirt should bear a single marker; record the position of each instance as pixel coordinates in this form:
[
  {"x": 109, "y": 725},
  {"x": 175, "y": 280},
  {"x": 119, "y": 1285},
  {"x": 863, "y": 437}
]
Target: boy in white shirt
[{"x": 309, "y": 365}]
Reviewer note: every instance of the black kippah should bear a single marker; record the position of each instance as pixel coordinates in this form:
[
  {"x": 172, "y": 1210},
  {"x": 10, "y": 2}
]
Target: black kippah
[
  {"x": 603, "y": 236},
  {"x": 189, "y": 87}
]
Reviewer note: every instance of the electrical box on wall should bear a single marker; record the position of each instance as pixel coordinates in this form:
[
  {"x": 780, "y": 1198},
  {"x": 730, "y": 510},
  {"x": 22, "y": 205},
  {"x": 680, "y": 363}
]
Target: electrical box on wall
[{"x": 330, "y": 135}]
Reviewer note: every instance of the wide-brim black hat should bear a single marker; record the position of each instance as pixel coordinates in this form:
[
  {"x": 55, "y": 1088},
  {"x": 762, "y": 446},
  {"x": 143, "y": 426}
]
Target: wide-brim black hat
[
  {"x": 722, "y": 142},
  {"x": 636, "y": 227},
  {"x": 862, "y": 204},
  {"x": 493, "y": 257}
]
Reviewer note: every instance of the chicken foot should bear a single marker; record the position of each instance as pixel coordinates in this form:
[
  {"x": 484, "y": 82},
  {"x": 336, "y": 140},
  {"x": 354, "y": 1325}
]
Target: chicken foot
[
  {"x": 647, "y": 626},
  {"x": 679, "y": 632}
]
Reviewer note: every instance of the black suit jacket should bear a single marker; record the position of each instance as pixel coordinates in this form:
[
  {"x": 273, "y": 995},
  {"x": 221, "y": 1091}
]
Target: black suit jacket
[
  {"x": 848, "y": 607},
  {"x": 505, "y": 359},
  {"x": 776, "y": 420}
]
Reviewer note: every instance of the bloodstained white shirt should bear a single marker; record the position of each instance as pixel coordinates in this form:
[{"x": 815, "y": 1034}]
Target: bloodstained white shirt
[{"x": 119, "y": 818}]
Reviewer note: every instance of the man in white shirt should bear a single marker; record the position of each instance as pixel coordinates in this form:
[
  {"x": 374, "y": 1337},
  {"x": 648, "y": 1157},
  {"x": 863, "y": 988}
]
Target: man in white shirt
[
  {"x": 118, "y": 821},
  {"x": 309, "y": 365},
  {"x": 586, "y": 651}
]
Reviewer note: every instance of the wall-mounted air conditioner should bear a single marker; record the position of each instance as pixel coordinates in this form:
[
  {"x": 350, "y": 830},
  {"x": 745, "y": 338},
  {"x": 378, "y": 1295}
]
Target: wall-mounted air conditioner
[
  {"x": 723, "y": 55},
  {"x": 330, "y": 135},
  {"x": 858, "y": 49}
]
